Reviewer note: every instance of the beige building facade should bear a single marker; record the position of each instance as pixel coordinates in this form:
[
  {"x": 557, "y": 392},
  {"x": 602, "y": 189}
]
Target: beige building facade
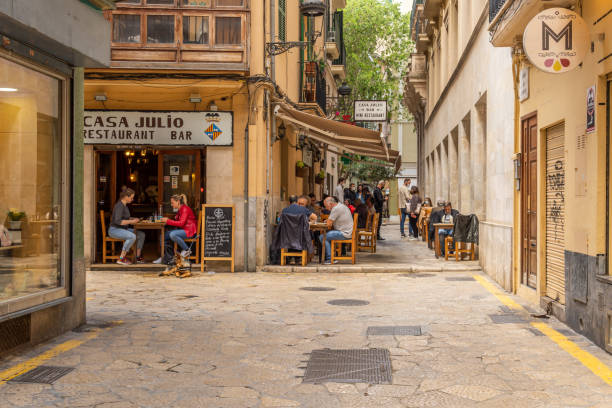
[
  {"x": 459, "y": 90},
  {"x": 562, "y": 146}
]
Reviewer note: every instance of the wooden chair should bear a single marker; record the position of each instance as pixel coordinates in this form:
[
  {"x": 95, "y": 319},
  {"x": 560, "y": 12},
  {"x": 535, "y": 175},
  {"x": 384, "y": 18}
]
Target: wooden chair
[
  {"x": 106, "y": 239},
  {"x": 285, "y": 253},
  {"x": 336, "y": 245},
  {"x": 460, "y": 249},
  {"x": 193, "y": 257},
  {"x": 324, "y": 217},
  {"x": 366, "y": 239}
]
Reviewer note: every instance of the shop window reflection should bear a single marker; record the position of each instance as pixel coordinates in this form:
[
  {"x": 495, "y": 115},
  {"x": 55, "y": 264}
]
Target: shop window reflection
[{"x": 30, "y": 186}]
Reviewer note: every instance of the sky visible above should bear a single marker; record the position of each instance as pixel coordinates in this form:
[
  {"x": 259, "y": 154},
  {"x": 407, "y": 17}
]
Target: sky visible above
[{"x": 406, "y": 5}]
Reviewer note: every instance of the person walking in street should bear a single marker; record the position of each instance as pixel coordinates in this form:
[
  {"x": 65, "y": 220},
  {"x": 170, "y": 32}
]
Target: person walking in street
[
  {"x": 404, "y": 198},
  {"x": 379, "y": 201},
  {"x": 339, "y": 191},
  {"x": 120, "y": 227},
  {"x": 340, "y": 222},
  {"x": 359, "y": 195},
  {"x": 415, "y": 209}
]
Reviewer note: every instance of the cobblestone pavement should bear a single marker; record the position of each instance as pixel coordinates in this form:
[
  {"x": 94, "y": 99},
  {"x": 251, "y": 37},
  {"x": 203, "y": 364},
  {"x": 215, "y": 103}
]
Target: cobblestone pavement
[{"x": 239, "y": 340}]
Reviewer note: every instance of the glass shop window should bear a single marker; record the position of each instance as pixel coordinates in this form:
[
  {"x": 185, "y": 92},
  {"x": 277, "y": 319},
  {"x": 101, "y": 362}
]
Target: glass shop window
[
  {"x": 195, "y": 30},
  {"x": 126, "y": 28},
  {"x": 160, "y": 2},
  {"x": 228, "y": 30},
  {"x": 31, "y": 157},
  {"x": 160, "y": 29}
]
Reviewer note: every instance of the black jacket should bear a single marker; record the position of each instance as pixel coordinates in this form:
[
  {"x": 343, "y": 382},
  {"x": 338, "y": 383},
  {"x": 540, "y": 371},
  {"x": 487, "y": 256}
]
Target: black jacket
[
  {"x": 350, "y": 194},
  {"x": 293, "y": 232},
  {"x": 379, "y": 199},
  {"x": 466, "y": 228}
]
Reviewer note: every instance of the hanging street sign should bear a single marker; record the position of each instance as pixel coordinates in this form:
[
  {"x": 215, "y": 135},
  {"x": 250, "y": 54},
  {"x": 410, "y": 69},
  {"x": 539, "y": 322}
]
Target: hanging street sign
[
  {"x": 172, "y": 128},
  {"x": 370, "y": 111},
  {"x": 556, "y": 40}
]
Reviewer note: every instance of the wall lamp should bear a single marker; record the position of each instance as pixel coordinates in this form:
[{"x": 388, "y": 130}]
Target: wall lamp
[
  {"x": 195, "y": 98},
  {"x": 281, "y": 132},
  {"x": 101, "y": 97},
  {"x": 308, "y": 8}
]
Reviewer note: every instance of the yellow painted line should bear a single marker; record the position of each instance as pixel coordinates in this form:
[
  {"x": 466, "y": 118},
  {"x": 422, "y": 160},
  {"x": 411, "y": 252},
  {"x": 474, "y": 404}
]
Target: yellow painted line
[
  {"x": 34, "y": 362},
  {"x": 502, "y": 297},
  {"x": 591, "y": 362},
  {"x": 587, "y": 359},
  {"x": 89, "y": 298}
]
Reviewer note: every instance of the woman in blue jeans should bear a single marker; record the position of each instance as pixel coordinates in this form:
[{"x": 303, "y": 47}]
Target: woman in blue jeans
[
  {"x": 186, "y": 227},
  {"x": 119, "y": 227}
]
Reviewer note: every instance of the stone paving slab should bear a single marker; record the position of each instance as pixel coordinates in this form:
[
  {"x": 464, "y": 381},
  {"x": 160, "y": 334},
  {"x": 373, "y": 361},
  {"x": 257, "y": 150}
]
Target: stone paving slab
[{"x": 241, "y": 340}]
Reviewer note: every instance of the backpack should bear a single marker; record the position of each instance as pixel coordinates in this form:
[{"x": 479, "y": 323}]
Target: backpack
[{"x": 5, "y": 239}]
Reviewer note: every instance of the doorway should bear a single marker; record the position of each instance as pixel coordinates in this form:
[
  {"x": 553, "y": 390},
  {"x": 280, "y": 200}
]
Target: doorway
[
  {"x": 155, "y": 176},
  {"x": 529, "y": 199}
]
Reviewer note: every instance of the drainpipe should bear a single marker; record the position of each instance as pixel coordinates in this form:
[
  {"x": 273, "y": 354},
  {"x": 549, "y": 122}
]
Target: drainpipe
[
  {"x": 246, "y": 193},
  {"x": 516, "y": 257}
]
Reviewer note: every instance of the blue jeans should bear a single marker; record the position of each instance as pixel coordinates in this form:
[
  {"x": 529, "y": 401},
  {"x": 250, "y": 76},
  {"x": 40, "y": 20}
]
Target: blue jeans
[
  {"x": 128, "y": 237},
  {"x": 331, "y": 235},
  {"x": 179, "y": 236},
  {"x": 403, "y": 220},
  {"x": 443, "y": 233}
]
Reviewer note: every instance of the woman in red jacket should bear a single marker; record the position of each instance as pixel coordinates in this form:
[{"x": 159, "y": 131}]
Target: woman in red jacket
[{"x": 186, "y": 224}]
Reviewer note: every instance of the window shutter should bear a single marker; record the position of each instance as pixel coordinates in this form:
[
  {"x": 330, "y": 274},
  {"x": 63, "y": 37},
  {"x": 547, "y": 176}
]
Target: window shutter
[{"x": 282, "y": 20}]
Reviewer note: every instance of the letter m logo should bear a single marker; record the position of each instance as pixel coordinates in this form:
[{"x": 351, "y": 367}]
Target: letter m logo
[{"x": 548, "y": 33}]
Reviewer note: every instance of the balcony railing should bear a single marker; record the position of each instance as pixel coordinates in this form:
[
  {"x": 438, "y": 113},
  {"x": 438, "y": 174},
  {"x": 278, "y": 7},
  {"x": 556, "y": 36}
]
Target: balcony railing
[
  {"x": 338, "y": 29},
  {"x": 314, "y": 85},
  {"x": 494, "y": 8}
]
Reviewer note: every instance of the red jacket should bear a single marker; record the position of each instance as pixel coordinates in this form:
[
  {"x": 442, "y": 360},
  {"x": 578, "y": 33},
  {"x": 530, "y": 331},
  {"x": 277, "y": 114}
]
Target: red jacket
[{"x": 186, "y": 220}]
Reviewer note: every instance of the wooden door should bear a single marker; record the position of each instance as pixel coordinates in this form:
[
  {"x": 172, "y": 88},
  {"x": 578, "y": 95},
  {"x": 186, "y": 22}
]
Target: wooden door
[
  {"x": 529, "y": 198},
  {"x": 179, "y": 173}
]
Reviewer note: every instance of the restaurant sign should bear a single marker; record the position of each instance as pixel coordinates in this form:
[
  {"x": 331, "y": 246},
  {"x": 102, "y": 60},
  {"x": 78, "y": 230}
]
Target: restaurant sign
[
  {"x": 370, "y": 111},
  {"x": 556, "y": 40},
  {"x": 158, "y": 128}
]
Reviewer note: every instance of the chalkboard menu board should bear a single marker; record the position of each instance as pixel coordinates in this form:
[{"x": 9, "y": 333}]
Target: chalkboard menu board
[{"x": 218, "y": 233}]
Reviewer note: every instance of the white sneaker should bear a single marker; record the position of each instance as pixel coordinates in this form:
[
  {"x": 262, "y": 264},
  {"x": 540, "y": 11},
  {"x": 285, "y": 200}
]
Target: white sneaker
[
  {"x": 157, "y": 261},
  {"x": 185, "y": 253}
]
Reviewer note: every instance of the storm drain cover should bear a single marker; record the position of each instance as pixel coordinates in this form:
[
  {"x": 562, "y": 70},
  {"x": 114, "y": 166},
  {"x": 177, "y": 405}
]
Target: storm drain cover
[
  {"x": 348, "y": 302},
  {"x": 506, "y": 318},
  {"x": 43, "y": 375},
  {"x": 317, "y": 288},
  {"x": 460, "y": 279},
  {"x": 372, "y": 366},
  {"x": 535, "y": 332},
  {"x": 394, "y": 331},
  {"x": 416, "y": 275}
]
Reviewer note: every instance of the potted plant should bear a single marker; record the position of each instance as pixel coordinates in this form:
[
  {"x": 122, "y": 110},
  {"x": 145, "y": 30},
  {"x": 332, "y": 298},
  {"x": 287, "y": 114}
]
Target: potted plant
[
  {"x": 15, "y": 218},
  {"x": 300, "y": 169},
  {"x": 320, "y": 177}
]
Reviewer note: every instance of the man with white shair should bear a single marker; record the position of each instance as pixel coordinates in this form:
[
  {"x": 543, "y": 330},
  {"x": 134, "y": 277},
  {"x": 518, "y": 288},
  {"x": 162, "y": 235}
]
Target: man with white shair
[{"x": 341, "y": 223}]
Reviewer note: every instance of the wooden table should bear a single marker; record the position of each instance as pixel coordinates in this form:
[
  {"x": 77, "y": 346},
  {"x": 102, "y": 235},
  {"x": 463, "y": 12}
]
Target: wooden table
[
  {"x": 437, "y": 228},
  {"x": 323, "y": 228},
  {"x": 149, "y": 225}
]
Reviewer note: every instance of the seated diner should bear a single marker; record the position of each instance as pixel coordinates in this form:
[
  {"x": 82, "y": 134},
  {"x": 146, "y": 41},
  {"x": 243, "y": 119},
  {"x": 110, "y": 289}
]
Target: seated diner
[
  {"x": 184, "y": 227},
  {"x": 120, "y": 227},
  {"x": 340, "y": 223}
]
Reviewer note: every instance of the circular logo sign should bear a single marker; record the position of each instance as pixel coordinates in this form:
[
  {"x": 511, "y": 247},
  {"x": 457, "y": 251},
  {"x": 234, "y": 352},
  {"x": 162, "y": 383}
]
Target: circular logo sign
[
  {"x": 218, "y": 213},
  {"x": 556, "y": 40}
]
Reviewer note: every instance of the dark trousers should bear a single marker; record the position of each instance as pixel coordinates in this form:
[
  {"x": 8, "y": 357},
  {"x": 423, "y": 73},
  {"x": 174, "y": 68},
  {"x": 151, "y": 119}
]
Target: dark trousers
[
  {"x": 443, "y": 233},
  {"x": 380, "y": 218},
  {"x": 413, "y": 226}
]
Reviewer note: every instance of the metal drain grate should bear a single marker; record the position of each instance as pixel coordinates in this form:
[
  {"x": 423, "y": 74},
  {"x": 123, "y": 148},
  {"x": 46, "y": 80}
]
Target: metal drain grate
[
  {"x": 535, "y": 332},
  {"x": 43, "y": 375},
  {"x": 317, "y": 288},
  {"x": 372, "y": 366},
  {"x": 14, "y": 332},
  {"x": 506, "y": 318},
  {"x": 460, "y": 279},
  {"x": 567, "y": 332},
  {"x": 348, "y": 302},
  {"x": 394, "y": 331},
  {"x": 416, "y": 275}
]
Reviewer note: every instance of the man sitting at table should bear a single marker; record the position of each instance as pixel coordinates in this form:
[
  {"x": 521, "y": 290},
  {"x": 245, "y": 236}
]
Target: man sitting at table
[
  {"x": 340, "y": 222},
  {"x": 298, "y": 206},
  {"x": 448, "y": 217}
]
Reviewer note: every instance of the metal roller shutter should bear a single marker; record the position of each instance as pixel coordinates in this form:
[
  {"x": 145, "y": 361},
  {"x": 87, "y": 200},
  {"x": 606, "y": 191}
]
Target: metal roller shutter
[{"x": 555, "y": 213}]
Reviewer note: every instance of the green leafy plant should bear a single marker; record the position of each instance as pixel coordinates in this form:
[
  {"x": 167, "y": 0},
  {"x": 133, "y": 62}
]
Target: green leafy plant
[
  {"x": 321, "y": 174},
  {"x": 378, "y": 47},
  {"x": 16, "y": 215},
  {"x": 300, "y": 164}
]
